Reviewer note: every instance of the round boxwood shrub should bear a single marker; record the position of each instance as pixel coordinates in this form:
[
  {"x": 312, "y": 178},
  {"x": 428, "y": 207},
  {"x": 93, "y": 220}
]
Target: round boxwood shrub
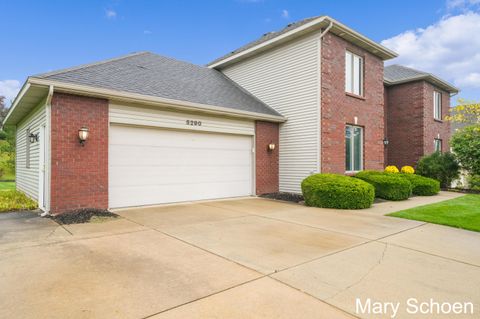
[
  {"x": 388, "y": 186},
  {"x": 337, "y": 191},
  {"x": 422, "y": 186}
]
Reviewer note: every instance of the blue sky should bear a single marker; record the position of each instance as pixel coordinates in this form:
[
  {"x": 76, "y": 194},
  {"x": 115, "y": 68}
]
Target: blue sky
[{"x": 40, "y": 36}]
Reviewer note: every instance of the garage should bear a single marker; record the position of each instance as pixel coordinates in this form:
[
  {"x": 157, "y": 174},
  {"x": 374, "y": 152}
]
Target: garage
[{"x": 156, "y": 165}]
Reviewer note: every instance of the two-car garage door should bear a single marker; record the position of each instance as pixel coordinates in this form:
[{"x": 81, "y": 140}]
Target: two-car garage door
[{"x": 150, "y": 166}]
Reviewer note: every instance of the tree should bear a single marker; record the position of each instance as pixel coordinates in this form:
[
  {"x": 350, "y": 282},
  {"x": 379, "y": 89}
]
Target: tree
[
  {"x": 465, "y": 144},
  {"x": 465, "y": 112},
  {"x": 3, "y": 109}
]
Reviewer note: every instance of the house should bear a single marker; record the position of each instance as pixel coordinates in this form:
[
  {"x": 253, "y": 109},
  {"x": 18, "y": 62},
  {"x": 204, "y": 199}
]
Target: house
[
  {"x": 144, "y": 129},
  {"x": 416, "y": 104}
]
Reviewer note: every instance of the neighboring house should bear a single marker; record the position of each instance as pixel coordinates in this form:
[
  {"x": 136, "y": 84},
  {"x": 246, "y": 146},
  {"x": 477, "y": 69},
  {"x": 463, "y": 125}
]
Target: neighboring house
[
  {"x": 416, "y": 104},
  {"x": 306, "y": 99}
]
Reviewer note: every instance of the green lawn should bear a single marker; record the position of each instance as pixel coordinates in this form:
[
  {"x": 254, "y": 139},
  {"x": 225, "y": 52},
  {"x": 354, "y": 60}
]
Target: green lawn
[
  {"x": 6, "y": 186},
  {"x": 462, "y": 212}
]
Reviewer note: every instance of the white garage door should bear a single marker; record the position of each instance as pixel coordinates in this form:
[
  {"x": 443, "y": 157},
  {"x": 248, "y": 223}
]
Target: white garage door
[{"x": 152, "y": 166}]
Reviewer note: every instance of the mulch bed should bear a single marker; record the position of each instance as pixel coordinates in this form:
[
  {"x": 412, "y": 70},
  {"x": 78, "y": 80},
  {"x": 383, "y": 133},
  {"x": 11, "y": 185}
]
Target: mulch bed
[
  {"x": 462, "y": 190},
  {"x": 296, "y": 198},
  {"x": 80, "y": 216}
]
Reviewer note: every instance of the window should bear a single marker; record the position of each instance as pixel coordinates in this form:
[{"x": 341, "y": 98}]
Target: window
[
  {"x": 353, "y": 74},
  {"x": 437, "y": 105},
  {"x": 27, "y": 148},
  {"x": 437, "y": 144},
  {"x": 353, "y": 148}
]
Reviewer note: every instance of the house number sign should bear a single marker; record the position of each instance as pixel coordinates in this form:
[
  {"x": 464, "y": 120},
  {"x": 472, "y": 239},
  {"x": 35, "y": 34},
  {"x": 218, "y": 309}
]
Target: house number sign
[{"x": 193, "y": 122}]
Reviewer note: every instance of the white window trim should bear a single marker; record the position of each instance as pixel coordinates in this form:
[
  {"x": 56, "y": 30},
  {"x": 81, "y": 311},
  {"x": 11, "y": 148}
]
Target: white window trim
[
  {"x": 352, "y": 71},
  {"x": 435, "y": 144},
  {"x": 437, "y": 114},
  {"x": 352, "y": 149}
]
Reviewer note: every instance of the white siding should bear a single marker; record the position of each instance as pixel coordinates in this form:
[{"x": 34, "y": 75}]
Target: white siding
[
  {"x": 27, "y": 178},
  {"x": 288, "y": 79},
  {"x": 143, "y": 116}
]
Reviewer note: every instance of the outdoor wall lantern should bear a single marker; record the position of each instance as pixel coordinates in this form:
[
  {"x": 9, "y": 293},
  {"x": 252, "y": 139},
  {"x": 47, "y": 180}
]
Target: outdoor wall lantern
[
  {"x": 83, "y": 135},
  {"x": 33, "y": 137},
  {"x": 385, "y": 141},
  {"x": 271, "y": 146}
]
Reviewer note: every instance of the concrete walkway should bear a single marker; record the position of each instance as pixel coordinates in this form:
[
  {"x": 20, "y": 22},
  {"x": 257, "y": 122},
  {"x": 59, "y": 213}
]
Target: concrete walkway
[{"x": 241, "y": 258}]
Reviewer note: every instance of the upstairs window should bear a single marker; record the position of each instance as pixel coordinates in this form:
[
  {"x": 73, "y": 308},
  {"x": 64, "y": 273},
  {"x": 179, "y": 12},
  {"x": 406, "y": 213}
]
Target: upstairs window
[
  {"x": 353, "y": 73},
  {"x": 437, "y": 105},
  {"x": 353, "y": 148},
  {"x": 437, "y": 144}
]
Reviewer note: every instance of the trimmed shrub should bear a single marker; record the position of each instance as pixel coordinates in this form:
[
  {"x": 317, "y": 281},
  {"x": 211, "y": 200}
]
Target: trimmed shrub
[
  {"x": 407, "y": 170},
  {"x": 391, "y": 169},
  {"x": 422, "y": 186},
  {"x": 440, "y": 166},
  {"x": 337, "y": 191},
  {"x": 388, "y": 186}
]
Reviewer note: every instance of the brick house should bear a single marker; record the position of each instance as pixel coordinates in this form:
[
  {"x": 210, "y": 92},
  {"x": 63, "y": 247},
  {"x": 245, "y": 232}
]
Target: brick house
[
  {"x": 144, "y": 129},
  {"x": 416, "y": 104}
]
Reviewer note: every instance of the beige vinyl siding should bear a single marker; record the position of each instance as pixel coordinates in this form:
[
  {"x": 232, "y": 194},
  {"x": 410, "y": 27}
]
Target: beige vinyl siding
[
  {"x": 27, "y": 178},
  {"x": 288, "y": 79},
  {"x": 153, "y": 117}
]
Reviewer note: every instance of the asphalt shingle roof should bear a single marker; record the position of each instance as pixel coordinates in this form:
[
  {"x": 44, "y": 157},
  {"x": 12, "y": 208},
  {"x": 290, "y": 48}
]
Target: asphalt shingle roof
[
  {"x": 397, "y": 72},
  {"x": 394, "y": 74},
  {"x": 266, "y": 37},
  {"x": 155, "y": 75}
]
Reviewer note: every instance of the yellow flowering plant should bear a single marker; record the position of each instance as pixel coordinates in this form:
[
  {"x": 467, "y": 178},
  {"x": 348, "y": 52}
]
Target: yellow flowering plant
[
  {"x": 407, "y": 170},
  {"x": 391, "y": 169}
]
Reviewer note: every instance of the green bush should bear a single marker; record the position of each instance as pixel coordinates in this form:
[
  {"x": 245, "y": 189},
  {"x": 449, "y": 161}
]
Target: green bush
[
  {"x": 337, "y": 191},
  {"x": 422, "y": 186},
  {"x": 474, "y": 182},
  {"x": 440, "y": 166},
  {"x": 387, "y": 185}
]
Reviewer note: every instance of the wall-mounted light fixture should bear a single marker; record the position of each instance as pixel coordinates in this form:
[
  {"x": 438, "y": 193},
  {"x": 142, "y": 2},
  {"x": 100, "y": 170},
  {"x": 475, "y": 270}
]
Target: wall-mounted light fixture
[
  {"x": 33, "y": 137},
  {"x": 385, "y": 141},
  {"x": 83, "y": 135},
  {"x": 271, "y": 146}
]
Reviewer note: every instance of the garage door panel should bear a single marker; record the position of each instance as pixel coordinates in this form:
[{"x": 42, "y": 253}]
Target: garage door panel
[
  {"x": 152, "y": 166},
  {"x": 126, "y": 155},
  {"x": 145, "y": 175}
]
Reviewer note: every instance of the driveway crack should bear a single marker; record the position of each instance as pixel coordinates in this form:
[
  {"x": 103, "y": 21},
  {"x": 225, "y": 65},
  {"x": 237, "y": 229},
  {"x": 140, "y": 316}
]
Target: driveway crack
[{"x": 369, "y": 271}]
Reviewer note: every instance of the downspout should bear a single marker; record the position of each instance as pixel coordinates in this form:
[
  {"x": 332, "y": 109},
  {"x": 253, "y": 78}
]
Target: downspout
[
  {"x": 319, "y": 97},
  {"x": 47, "y": 161}
]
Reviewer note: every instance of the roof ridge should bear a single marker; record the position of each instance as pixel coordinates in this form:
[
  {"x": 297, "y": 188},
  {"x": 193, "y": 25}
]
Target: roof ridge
[{"x": 86, "y": 65}]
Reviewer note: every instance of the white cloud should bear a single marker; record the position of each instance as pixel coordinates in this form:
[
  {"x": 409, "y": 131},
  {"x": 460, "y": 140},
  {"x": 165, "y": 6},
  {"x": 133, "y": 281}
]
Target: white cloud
[
  {"x": 461, "y": 4},
  {"x": 449, "y": 48},
  {"x": 285, "y": 14},
  {"x": 110, "y": 14},
  {"x": 9, "y": 89},
  {"x": 147, "y": 32}
]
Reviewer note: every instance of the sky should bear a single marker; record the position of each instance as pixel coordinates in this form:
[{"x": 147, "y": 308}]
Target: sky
[{"x": 441, "y": 37}]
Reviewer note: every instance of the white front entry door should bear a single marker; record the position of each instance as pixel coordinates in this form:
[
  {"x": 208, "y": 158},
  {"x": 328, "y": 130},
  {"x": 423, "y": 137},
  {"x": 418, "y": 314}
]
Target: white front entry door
[{"x": 150, "y": 166}]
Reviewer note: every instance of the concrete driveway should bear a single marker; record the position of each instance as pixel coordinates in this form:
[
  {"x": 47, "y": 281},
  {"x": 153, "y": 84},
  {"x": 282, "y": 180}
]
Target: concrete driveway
[{"x": 237, "y": 258}]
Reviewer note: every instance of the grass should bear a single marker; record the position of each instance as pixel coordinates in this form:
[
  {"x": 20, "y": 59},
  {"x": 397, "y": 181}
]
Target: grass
[
  {"x": 7, "y": 186},
  {"x": 12, "y": 200},
  {"x": 461, "y": 212}
]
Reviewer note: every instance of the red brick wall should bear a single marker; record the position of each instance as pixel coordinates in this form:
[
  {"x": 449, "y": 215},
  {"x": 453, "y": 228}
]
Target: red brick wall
[
  {"x": 404, "y": 122},
  {"x": 339, "y": 108},
  {"x": 79, "y": 176},
  {"x": 266, "y": 169},
  {"x": 411, "y": 127},
  {"x": 433, "y": 127}
]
